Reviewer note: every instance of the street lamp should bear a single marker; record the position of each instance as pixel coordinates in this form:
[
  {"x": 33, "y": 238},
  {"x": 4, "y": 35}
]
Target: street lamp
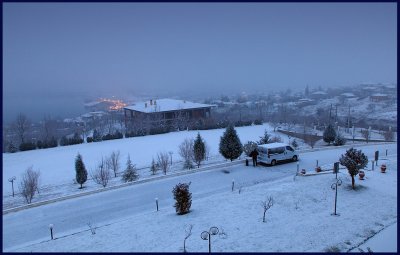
[
  {"x": 51, "y": 230},
  {"x": 206, "y": 235},
  {"x": 170, "y": 154},
  {"x": 12, "y": 179},
  {"x": 334, "y": 187},
  {"x": 157, "y": 203}
]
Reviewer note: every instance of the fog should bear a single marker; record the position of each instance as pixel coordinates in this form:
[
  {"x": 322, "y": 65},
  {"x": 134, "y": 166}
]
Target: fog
[{"x": 56, "y": 55}]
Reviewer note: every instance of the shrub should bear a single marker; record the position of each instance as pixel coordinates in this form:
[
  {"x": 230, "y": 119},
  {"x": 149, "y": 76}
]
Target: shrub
[
  {"x": 27, "y": 146},
  {"x": 353, "y": 160},
  {"x": 295, "y": 144},
  {"x": 29, "y": 184},
  {"x": 249, "y": 147},
  {"x": 275, "y": 139},
  {"x": 80, "y": 169},
  {"x": 89, "y": 139},
  {"x": 257, "y": 122},
  {"x": 329, "y": 134},
  {"x": 339, "y": 140},
  {"x": 183, "y": 198}
]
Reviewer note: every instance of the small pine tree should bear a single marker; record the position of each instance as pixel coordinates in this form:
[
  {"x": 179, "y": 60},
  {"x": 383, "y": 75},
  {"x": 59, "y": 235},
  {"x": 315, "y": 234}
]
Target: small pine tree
[
  {"x": 295, "y": 144},
  {"x": 81, "y": 173},
  {"x": 353, "y": 160},
  {"x": 230, "y": 146},
  {"x": 339, "y": 140},
  {"x": 265, "y": 139},
  {"x": 153, "y": 167},
  {"x": 130, "y": 173},
  {"x": 182, "y": 197},
  {"x": 329, "y": 134},
  {"x": 199, "y": 150}
]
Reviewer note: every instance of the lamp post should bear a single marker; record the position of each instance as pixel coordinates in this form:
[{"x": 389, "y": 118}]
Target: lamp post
[
  {"x": 206, "y": 235},
  {"x": 334, "y": 187},
  {"x": 12, "y": 179},
  {"x": 233, "y": 184},
  {"x": 51, "y": 230},
  {"x": 157, "y": 203}
]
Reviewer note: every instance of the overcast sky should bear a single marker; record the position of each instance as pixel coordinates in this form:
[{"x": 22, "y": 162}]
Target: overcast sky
[{"x": 56, "y": 52}]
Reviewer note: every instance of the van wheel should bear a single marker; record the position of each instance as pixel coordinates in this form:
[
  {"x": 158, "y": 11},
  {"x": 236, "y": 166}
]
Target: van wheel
[
  {"x": 294, "y": 158},
  {"x": 273, "y": 162}
]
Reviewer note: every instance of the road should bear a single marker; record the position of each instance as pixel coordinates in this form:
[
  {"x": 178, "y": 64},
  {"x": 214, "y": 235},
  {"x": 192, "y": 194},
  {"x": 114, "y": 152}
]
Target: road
[{"x": 70, "y": 216}]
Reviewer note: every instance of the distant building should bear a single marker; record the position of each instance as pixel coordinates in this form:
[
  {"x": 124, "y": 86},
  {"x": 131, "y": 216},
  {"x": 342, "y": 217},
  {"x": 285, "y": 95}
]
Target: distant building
[
  {"x": 166, "y": 110},
  {"x": 319, "y": 95},
  {"x": 378, "y": 97}
]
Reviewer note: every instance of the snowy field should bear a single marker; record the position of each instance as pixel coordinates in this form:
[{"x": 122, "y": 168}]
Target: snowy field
[{"x": 299, "y": 221}]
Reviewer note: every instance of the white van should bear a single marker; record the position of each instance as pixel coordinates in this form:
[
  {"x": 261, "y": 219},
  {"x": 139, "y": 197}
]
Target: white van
[{"x": 271, "y": 153}]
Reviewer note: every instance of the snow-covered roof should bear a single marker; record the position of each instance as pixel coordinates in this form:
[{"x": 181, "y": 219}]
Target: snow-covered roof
[
  {"x": 273, "y": 145},
  {"x": 379, "y": 95},
  {"x": 305, "y": 100},
  {"x": 319, "y": 93},
  {"x": 92, "y": 103},
  {"x": 165, "y": 105},
  {"x": 348, "y": 94}
]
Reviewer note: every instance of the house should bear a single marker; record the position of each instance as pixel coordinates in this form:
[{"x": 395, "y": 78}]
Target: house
[
  {"x": 166, "y": 110},
  {"x": 319, "y": 95},
  {"x": 378, "y": 97}
]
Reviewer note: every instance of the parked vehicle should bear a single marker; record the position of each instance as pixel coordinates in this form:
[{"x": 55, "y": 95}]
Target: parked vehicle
[{"x": 273, "y": 153}]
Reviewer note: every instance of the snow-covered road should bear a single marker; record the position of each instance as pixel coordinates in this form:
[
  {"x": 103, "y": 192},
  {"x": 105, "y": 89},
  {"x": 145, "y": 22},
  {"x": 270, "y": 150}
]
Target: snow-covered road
[{"x": 70, "y": 216}]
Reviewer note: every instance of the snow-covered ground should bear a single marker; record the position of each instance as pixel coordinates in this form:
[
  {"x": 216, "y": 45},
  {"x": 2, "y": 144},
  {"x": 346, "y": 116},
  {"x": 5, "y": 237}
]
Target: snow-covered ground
[
  {"x": 300, "y": 219},
  {"x": 57, "y": 165}
]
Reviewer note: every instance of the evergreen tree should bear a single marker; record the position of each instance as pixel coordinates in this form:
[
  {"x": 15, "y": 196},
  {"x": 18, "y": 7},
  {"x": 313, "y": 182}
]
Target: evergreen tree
[
  {"x": 199, "y": 150},
  {"x": 81, "y": 173},
  {"x": 265, "y": 139},
  {"x": 230, "y": 146},
  {"x": 339, "y": 140},
  {"x": 130, "y": 173},
  {"x": 329, "y": 134},
  {"x": 96, "y": 136},
  {"x": 294, "y": 143},
  {"x": 353, "y": 160},
  {"x": 183, "y": 198}
]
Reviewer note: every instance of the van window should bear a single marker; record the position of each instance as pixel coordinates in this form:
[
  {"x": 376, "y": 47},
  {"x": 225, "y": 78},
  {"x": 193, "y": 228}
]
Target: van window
[
  {"x": 279, "y": 150},
  {"x": 289, "y": 148}
]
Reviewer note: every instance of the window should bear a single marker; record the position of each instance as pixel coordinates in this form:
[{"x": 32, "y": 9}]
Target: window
[{"x": 289, "y": 148}]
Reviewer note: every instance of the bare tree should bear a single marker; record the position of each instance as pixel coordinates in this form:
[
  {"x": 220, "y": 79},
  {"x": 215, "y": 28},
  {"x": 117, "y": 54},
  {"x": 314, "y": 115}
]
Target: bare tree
[
  {"x": 188, "y": 233},
  {"x": 22, "y": 125},
  {"x": 388, "y": 135},
  {"x": 366, "y": 134},
  {"x": 163, "y": 161},
  {"x": 113, "y": 162},
  {"x": 186, "y": 152},
  {"x": 311, "y": 139},
  {"x": 101, "y": 175},
  {"x": 266, "y": 205},
  {"x": 92, "y": 228},
  {"x": 29, "y": 184},
  {"x": 49, "y": 128}
]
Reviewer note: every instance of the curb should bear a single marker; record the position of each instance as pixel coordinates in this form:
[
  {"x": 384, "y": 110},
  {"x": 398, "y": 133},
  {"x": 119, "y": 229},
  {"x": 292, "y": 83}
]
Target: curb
[{"x": 195, "y": 170}]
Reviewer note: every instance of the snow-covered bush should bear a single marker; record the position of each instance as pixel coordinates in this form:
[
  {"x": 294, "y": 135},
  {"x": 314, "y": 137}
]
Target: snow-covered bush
[
  {"x": 29, "y": 184},
  {"x": 186, "y": 152},
  {"x": 353, "y": 160},
  {"x": 249, "y": 147},
  {"x": 183, "y": 198},
  {"x": 275, "y": 139},
  {"x": 339, "y": 140}
]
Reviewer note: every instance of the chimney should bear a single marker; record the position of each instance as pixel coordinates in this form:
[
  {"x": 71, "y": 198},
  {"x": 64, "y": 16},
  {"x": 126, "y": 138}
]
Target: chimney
[
  {"x": 151, "y": 101},
  {"x": 145, "y": 105}
]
